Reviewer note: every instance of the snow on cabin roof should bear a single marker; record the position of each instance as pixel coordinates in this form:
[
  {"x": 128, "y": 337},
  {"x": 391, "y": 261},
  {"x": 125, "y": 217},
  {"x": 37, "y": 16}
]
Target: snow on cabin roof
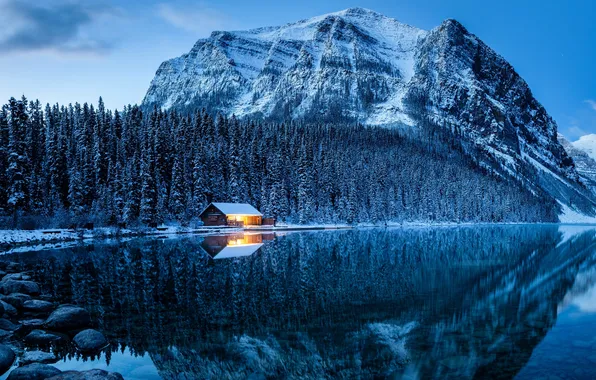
[{"x": 237, "y": 209}]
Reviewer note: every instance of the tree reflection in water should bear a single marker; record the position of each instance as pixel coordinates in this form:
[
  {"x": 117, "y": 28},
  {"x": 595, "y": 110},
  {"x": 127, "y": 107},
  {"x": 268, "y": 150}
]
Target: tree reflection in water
[{"x": 428, "y": 302}]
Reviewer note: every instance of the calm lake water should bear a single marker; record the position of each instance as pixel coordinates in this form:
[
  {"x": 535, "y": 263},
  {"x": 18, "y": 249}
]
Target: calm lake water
[{"x": 461, "y": 302}]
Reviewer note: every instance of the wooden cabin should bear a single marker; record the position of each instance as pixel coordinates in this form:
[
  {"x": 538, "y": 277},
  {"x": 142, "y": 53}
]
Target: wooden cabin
[{"x": 231, "y": 214}]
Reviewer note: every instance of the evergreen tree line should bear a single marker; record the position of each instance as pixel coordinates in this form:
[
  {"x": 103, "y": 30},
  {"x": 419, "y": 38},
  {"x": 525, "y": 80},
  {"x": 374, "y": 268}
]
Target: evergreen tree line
[{"x": 65, "y": 165}]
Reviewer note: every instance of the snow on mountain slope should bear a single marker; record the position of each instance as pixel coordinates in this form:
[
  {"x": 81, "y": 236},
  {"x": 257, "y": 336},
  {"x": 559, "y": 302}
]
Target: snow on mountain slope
[
  {"x": 584, "y": 163},
  {"x": 358, "y": 65},
  {"x": 299, "y": 70},
  {"x": 587, "y": 144}
]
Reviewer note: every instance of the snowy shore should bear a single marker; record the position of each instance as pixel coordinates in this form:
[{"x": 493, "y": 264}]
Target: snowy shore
[
  {"x": 22, "y": 240},
  {"x": 15, "y": 238}
]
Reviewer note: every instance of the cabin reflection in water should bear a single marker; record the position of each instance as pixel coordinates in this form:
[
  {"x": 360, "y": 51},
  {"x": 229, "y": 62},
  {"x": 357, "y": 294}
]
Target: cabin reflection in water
[{"x": 236, "y": 245}]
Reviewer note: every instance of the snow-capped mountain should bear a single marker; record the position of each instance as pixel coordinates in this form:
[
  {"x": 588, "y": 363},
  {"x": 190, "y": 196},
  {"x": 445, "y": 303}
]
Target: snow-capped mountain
[
  {"x": 358, "y": 65},
  {"x": 587, "y": 144},
  {"x": 583, "y": 156},
  {"x": 354, "y": 64}
]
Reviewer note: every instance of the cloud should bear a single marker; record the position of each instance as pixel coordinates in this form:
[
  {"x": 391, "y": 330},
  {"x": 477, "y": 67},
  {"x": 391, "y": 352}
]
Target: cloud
[
  {"x": 575, "y": 132},
  {"x": 57, "y": 27},
  {"x": 201, "y": 20},
  {"x": 591, "y": 103}
]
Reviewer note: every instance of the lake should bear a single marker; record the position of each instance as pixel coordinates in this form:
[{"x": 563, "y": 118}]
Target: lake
[{"x": 446, "y": 302}]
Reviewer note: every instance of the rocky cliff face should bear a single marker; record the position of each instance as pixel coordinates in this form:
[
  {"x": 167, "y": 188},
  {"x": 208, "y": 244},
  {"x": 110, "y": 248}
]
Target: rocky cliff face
[
  {"x": 353, "y": 64},
  {"x": 582, "y": 154},
  {"x": 360, "y": 66}
]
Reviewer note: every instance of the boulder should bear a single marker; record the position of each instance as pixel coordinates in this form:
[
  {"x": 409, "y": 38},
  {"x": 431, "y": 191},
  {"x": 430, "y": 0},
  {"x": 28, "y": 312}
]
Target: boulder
[
  {"x": 19, "y": 286},
  {"x": 12, "y": 267},
  {"x": 32, "y": 323},
  {"x": 38, "y": 357},
  {"x": 16, "y": 299},
  {"x": 35, "y": 371},
  {"x": 68, "y": 317},
  {"x": 7, "y": 325},
  {"x": 42, "y": 338},
  {"x": 94, "y": 374},
  {"x": 9, "y": 309},
  {"x": 38, "y": 306},
  {"x": 90, "y": 340},
  {"x": 16, "y": 276},
  {"x": 6, "y": 358},
  {"x": 5, "y": 335}
]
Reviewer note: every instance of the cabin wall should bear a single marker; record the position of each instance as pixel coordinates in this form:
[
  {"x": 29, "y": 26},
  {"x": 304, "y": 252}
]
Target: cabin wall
[
  {"x": 213, "y": 217},
  {"x": 247, "y": 220}
]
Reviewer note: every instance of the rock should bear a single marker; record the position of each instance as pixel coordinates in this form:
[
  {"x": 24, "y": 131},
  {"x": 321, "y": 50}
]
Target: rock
[
  {"x": 4, "y": 335},
  {"x": 12, "y": 267},
  {"x": 33, "y": 371},
  {"x": 32, "y": 322},
  {"x": 68, "y": 318},
  {"x": 7, "y": 325},
  {"x": 42, "y": 338},
  {"x": 90, "y": 340},
  {"x": 94, "y": 374},
  {"x": 19, "y": 286},
  {"x": 16, "y": 276},
  {"x": 6, "y": 358},
  {"x": 38, "y": 306},
  {"x": 38, "y": 357},
  {"x": 9, "y": 309},
  {"x": 16, "y": 299}
]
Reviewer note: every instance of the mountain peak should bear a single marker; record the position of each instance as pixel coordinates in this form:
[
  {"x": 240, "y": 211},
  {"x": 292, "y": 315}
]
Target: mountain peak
[
  {"x": 357, "y": 11},
  {"x": 587, "y": 144}
]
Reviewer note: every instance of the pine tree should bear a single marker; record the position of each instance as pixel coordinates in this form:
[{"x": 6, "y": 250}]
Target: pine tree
[
  {"x": 18, "y": 162},
  {"x": 305, "y": 197}
]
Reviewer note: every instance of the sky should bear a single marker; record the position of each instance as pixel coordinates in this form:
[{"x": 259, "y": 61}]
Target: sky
[{"x": 63, "y": 51}]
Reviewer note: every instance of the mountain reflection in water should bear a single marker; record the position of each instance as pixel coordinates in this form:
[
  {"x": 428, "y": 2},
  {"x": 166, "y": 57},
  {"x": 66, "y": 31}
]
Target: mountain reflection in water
[{"x": 419, "y": 303}]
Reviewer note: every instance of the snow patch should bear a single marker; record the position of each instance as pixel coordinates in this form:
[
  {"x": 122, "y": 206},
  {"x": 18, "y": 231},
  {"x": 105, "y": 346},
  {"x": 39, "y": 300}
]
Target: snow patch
[{"x": 570, "y": 216}]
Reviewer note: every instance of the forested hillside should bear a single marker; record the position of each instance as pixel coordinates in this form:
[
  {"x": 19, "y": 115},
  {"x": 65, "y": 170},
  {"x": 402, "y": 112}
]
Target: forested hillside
[{"x": 65, "y": 165}]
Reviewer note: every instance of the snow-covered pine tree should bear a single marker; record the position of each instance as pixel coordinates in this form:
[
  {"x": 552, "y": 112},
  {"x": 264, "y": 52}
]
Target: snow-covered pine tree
[{"x": 18, "y": 162}]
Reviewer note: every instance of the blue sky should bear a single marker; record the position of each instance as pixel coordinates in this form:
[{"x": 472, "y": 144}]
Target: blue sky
[{"x": 76, "y": 50}]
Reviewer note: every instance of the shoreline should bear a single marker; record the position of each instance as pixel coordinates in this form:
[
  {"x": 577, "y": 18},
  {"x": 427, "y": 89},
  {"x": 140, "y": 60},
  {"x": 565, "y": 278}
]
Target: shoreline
[{"x": 11, "y": 240}]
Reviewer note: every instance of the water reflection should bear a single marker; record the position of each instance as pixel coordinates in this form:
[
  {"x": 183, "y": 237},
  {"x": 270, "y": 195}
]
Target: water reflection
[
  {"x": 417, "y": 303},
  {"x": 234, "y": 245}
]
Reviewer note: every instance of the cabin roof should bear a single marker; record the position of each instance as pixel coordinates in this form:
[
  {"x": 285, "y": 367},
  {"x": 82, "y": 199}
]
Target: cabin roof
[{"x": 236, "y": 209}]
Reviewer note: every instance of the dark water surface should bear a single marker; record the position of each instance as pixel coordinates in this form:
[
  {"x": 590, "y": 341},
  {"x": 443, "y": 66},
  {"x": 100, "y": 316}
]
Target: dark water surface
[{"x": 465, "y": 302}]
